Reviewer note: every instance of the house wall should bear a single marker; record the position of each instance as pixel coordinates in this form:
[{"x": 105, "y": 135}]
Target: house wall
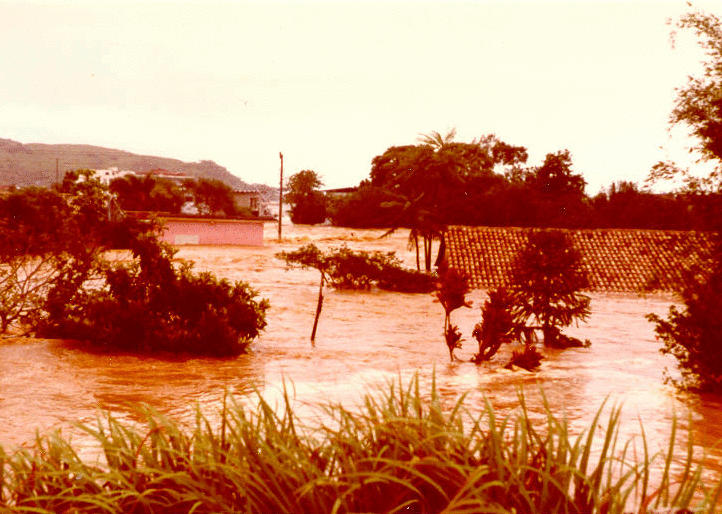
[
  {"x": 251, "y": 200},
  {"x": 190, "y": 231}
]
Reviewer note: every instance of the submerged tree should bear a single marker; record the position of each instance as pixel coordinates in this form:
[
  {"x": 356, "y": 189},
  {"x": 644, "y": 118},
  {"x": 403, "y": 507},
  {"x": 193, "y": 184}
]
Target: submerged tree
[
  {"x": 152, "y": 305},
  {"x": 547, "y": 285},
  {"x": 451, "y": 293},
  {"x": 497, "y": 326},
  {"x": 344, "y": 268}
]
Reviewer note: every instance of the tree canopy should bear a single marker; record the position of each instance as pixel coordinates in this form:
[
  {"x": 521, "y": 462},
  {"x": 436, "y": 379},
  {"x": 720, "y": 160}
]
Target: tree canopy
[
  {"x": 692, "y": 332},
  {"x": 308, "y": 204}
]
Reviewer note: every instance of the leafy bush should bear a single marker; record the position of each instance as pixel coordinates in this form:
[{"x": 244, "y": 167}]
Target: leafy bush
[
  {"x": 308, "y": 204},
  {"x": 497, "y": 326},
  {"x": 451, "y": 290},
  {"x": 149, "y": 306},
  {"x": 44, "y": 238},
  {"x": 345, "y": 268},
  {"x": 356, "y": 269},
  {"x": 528, "y": 358},
  {"x": 692, "y": 334},
  {"x": 546, "y": 284}
]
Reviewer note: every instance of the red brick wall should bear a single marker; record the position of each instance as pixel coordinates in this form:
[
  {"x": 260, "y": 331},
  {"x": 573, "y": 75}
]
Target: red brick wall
[{"x": 182, "y": 231}]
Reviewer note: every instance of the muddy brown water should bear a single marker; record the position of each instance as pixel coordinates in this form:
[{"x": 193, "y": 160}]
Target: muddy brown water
[{"x": 364, "y": 339}]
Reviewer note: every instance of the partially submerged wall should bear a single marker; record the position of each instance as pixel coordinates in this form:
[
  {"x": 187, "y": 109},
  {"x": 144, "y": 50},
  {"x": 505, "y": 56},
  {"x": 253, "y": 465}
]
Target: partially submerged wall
[
  {"x": 216, "y": 231},
  {"x": 615, "y": 259}
]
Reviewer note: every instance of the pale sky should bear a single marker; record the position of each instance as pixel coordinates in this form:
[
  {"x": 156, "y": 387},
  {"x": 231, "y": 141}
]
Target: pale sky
[{"x": 333, "y": 84}]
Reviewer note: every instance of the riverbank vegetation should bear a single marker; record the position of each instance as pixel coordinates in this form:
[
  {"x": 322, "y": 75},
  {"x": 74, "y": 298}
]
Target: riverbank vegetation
[{"x": 401, "y": 452}]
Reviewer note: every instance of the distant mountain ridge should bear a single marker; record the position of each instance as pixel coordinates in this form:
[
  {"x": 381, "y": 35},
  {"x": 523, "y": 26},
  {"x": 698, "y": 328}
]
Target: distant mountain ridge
[{"x": 34, "y": 164}]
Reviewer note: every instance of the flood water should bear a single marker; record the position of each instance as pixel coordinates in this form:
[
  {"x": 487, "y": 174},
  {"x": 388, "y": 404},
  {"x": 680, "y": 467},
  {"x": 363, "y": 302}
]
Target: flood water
[{"x": 364, "y": 339}]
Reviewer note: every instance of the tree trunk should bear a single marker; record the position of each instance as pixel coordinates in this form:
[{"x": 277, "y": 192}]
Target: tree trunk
[
  {"x": 427, "y": 252},
  {"x": 319, "y": 306},
  {"x": 416, "y": 244}
]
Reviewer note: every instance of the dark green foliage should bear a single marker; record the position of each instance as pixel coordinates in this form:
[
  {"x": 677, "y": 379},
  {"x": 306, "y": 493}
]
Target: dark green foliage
[
  {"x": 356, "y": 269},
  {"x": 395, "y": 277},
  {"x": 212, "y": 197},
  {"x": 546, "y": 284},
  {"x": 308, "y": 203},
  {"x": 497, "y": 326},
  {"x": 692, "y": 333},
  {"x": 151, "y": 306},
  {"x": 452, "y": 337},
  {"x": 556, "y": 178},
  {"x": 148, "y": 193},
  {"x": 402, "y": 452},
  {"x": 451, "y": 291},
  {"x": 54, "y": 281},
  {"x": 528, "y": 358},
  {"x": 47, "y": 238},
  {"x": 440, "y": 182},
  {"x": 366, "y": 208},
  {"x": 345, "y": 268}
]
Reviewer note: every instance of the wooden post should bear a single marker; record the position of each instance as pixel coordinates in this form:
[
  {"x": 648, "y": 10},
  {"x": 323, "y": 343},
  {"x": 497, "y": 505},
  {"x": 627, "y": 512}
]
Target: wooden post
[{"x": 280, "y": 200}]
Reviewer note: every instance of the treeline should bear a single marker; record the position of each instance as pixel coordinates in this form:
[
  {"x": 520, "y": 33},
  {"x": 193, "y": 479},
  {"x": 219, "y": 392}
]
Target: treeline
[
  {"x": 209, "y": 197},
  {"x": 488, "y": 182}
]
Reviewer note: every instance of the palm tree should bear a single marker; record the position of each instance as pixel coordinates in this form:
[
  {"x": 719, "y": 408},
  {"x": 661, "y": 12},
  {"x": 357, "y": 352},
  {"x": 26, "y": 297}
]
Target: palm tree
[
  {"x": 436, "y": 140},
  {"x": 411, "y": 213}
]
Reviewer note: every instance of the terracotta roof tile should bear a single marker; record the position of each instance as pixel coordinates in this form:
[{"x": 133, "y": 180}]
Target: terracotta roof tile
[{"x": 619, "y": 260}]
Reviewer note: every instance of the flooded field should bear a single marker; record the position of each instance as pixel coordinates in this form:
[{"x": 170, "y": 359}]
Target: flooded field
[{"x": 364, "y": 339}]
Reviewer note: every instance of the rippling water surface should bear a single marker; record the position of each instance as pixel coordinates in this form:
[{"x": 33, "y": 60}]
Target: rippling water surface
[{"x": 364, "y": 339}]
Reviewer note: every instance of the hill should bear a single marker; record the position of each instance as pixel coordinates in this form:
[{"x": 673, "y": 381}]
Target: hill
[{"x": 34, "y": 164}]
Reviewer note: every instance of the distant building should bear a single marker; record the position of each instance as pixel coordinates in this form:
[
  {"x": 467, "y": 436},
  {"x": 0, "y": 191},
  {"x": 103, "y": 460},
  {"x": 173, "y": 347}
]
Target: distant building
[
  {"x": 175, "y": 176},
  {"x": 251, "y": 200},
  {"x": 108, "y": 175},
  {"x": 340, "y": 192}
]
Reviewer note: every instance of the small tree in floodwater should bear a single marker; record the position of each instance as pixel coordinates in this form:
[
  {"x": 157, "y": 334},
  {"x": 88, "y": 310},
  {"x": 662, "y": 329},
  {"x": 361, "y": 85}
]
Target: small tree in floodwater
[
  {"x": 344, "y": 268},
  {"x": 503, "y": 323},
  {"x": 497, "y": 325},
  {"x": 451, "y": 293},
  {"x": 310, "y": 256},
  {"x": 546, "y": 286}
]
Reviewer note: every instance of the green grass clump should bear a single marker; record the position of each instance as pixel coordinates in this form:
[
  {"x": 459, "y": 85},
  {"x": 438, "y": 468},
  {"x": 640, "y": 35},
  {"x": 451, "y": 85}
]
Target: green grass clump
[{"x": 397, "y": 453}]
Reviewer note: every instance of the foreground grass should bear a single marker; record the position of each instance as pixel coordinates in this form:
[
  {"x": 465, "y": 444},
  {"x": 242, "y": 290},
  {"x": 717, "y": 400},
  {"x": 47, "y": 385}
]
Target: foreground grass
[{"x": 399, "y": 453}]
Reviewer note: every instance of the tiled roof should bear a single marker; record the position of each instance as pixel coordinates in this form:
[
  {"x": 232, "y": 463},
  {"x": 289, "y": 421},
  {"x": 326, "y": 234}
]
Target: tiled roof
[{"x": 615, "y": 259}]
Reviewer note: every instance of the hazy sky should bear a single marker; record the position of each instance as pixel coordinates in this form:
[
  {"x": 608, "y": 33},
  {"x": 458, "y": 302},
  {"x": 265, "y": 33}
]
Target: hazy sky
[{"x": 332, "y": 84}]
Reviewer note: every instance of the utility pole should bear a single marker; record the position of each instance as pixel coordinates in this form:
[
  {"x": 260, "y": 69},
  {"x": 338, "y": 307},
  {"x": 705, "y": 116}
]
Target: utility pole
[
  {"x": 57, "y": 172},
  {"x": 280, "y": 200}
]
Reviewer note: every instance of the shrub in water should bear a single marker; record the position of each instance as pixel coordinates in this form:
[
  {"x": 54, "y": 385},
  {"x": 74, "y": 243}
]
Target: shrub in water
[
  {"x": 150, "y": 305},
  {"x": 497, "y": 324},
  {"x": 547, "y": 281},
  {"x": 451, "y": 290},
  {"x": 356, "y": 269}
]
